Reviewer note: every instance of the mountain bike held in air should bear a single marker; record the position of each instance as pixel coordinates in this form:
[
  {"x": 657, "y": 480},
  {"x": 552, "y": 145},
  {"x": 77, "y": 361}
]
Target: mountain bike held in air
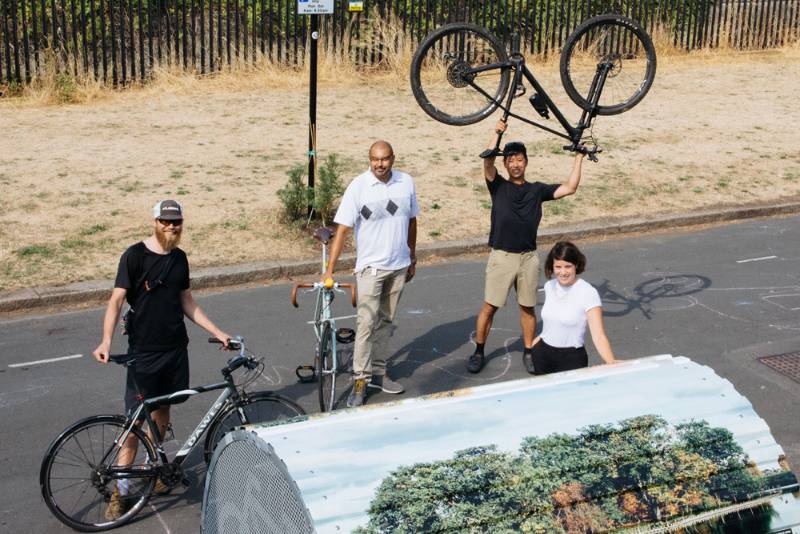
[
  {"x": 81, "y": 468},
  {"x": 461, "y": 73}
]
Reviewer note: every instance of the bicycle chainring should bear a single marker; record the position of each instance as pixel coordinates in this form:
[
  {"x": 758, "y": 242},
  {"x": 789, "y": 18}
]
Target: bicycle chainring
[
  {"x": 458, "y": 74},
  {"x": 171, "y": 474}
]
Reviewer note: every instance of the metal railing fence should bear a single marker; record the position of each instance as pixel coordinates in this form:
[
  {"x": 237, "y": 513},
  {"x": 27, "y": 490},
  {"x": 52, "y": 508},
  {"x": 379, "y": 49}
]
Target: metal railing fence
[{"x": 120, "y": 41}]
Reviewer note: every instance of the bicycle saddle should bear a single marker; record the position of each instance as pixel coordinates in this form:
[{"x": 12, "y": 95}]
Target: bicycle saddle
[{"x": 324, "y": 234}]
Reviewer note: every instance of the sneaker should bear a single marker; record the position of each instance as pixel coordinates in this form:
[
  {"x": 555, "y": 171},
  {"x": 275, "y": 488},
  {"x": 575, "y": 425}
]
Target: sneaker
[
  {"x": 160, "y": 488},
  {"x": 475, "y": 363},
  {"x": 358, "y": 394},
  {"x": 117, "y": 506},
  {"x": 385, "y": 384},
  {"x": 527, "y": 359}
]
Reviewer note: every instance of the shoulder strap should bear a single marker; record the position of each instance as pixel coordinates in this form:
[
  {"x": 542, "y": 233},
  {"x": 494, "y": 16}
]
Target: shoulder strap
[{"x": 161, "y": 277}]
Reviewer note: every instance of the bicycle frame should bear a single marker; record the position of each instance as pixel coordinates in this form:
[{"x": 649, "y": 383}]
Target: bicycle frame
[
  {"x": 516, "y": 63},
  {"x": 145, "y": 409}
]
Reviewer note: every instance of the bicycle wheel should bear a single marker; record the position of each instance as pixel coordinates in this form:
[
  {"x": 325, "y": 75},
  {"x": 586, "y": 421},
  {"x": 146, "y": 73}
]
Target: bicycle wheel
[
  {"x": 252, "y": 408},
  {"x": 442, "y": 77},
  {"x": 623, "y": 44},
  {"x": 74, "y": 477},
  {"x": 326, "y": 371}
]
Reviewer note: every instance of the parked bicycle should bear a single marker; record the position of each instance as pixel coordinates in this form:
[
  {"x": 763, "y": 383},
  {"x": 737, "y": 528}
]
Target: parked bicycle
[
  {"x": 80, "y": 469},
  {"x": 461, "y": 74},
  {"x": 326, "y": 362}
]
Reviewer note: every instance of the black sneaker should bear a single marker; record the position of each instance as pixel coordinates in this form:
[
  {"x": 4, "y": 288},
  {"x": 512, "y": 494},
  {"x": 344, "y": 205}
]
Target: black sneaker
[
  {"x": 385, "y": 384},
  {"x": 527, "y": 359},
  {"x": 475, "y": 363},
  {"x": 358, "y": 394}
]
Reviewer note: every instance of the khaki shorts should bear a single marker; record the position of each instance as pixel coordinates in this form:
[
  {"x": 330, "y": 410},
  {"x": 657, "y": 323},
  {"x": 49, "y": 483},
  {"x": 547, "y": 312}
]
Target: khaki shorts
[{"x": 505, "y": 270}]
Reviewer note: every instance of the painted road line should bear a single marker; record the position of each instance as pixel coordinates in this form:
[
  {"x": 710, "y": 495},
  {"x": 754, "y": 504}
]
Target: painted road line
[
  {"x": 49, "y": 360},
  {"x": 757, "y": 259}
]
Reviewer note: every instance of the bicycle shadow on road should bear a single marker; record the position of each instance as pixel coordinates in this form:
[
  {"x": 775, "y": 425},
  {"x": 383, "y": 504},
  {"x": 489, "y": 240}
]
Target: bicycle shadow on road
[{"x": 672, "y": 290}]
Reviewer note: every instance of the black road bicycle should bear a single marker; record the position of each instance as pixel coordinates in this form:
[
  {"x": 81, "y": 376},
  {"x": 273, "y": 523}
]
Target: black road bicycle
[
  {"x": 461, "y": 74},
  {"x": 80, "y": 468}
]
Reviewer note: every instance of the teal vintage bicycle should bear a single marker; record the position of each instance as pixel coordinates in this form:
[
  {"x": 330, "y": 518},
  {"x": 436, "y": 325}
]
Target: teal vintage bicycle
[{"x": 326, "y": 362}]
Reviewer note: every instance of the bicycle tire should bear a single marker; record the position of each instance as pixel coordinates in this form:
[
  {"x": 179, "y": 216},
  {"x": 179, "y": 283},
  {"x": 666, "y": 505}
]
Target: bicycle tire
[
  {"x": 258, "y": 407},
  {"x": 323, "y": 362},
  {"x": 437, "y": 80},
  {"x": 622, "y": 42},
  {"x": 77, "y": 451}
]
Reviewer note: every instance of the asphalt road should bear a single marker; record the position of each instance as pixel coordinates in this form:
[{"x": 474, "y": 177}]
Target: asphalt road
[{"x": 723, "y": 296}]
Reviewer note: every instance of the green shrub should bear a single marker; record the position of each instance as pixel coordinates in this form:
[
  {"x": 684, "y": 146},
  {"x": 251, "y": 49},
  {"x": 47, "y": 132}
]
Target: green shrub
[
  {"x": 327, "y": 189},
  {"x": 296, "y": 196}
]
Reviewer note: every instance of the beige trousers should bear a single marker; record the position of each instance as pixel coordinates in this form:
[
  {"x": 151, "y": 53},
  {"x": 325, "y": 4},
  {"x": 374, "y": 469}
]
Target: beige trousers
[{"x": 378, "y": 294}]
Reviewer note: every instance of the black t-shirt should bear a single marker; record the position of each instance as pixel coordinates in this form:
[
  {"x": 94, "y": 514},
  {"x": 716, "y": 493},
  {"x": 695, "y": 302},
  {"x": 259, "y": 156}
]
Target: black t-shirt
[
  {"x": 158, "y": 319},
  {"x": 516, "y": 212}
]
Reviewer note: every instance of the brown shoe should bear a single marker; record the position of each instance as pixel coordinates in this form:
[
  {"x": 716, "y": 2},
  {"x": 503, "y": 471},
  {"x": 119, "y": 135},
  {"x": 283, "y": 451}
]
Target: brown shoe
[
  {"x": 160, "y": 488},
  {"x": 358, "y": 394},
  {"x": 117, "y": 506}
]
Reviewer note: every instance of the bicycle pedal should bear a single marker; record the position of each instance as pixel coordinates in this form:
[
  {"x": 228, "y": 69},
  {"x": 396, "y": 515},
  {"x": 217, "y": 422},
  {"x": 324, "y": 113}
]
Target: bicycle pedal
[
  {"x": 306, "y": 373},
  {"x": 539, "y": 105},
  {"x": 345, "y": 335}
]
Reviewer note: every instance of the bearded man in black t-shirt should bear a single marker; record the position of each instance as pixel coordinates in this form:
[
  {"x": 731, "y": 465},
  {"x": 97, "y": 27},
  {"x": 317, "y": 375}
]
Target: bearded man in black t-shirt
[
  {"x": 513, "y": 261},
  {"x": 153, "y": 277}
]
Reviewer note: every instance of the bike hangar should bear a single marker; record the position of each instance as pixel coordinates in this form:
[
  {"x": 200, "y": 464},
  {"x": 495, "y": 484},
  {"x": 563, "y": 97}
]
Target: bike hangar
[{"x": 655, "y": 444}]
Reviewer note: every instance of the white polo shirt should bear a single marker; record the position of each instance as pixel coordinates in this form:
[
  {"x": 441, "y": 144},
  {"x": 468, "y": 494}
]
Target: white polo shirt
[{"x": 380, "y": 213}]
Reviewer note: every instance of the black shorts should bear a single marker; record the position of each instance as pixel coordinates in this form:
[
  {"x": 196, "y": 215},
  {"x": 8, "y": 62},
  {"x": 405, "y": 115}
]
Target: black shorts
[
  {"x": 547, "y": 359},
  {"x": 156, "y": 373}
]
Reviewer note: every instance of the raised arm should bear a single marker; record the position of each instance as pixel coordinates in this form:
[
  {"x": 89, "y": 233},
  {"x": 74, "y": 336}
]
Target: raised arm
[
  {"x": 335, "y": 250},
  {"x": 489, "y": 170},
  {"x": 595, "y": 319},
  {"x": 571, "y": 184}
]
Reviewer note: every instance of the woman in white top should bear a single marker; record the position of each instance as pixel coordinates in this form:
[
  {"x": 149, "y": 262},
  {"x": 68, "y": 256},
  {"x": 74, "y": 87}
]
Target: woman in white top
[{"x": 570, "y": 304}]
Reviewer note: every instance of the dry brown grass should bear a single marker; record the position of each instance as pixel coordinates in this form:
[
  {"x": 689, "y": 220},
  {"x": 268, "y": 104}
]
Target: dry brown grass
[{"x": 78, "y": 180}]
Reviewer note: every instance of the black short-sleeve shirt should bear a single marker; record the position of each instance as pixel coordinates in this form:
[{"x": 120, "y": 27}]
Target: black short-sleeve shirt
[
  {"x": 516, "y": 212},
  {"x": 158, "y": 323}
]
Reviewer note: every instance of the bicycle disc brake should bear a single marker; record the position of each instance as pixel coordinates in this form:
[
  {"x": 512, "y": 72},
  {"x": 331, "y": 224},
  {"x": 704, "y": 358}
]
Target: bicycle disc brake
[{"x": 458, "y": 74}]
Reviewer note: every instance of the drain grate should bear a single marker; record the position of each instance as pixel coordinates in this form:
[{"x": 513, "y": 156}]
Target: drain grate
[{"x": 787, "y": 364}]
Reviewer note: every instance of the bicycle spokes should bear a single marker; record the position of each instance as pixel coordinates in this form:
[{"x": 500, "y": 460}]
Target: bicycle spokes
[
  {"x": 451, "y": 66},
  {"x": 623, "y": 55}
]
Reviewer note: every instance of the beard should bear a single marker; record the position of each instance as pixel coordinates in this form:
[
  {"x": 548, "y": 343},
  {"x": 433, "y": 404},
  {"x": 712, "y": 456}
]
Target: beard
[{"x": 168, "y": 240}]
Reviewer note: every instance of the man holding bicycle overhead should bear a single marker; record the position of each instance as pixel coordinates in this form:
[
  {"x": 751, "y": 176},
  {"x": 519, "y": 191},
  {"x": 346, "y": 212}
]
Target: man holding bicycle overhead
[
  {"x": 153, "y": 276},
  {"x": 381, "y": 205},
  {"x": 513, "y": 261}
]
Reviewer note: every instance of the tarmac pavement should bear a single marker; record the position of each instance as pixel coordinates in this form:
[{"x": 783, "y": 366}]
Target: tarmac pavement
[{"x": 723, "y": 296}]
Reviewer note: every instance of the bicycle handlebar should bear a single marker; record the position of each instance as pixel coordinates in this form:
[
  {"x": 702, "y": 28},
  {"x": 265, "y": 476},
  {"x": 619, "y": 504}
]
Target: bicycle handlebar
[
  {"x": 320, "y": 285},
  {"x": 591, "y": 153}
]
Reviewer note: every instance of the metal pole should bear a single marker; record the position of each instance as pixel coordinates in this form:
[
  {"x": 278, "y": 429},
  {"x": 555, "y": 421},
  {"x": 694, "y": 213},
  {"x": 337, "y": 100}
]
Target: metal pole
[{"x": 312, "y": 111}]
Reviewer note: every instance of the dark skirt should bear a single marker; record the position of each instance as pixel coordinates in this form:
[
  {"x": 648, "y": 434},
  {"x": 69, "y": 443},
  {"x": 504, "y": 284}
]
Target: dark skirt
[{"x": 547, "y": 359}]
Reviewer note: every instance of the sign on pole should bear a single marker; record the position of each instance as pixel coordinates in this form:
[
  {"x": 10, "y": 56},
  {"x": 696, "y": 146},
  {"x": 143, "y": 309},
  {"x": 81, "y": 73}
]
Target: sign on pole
[{"x": 314, "y": 7}]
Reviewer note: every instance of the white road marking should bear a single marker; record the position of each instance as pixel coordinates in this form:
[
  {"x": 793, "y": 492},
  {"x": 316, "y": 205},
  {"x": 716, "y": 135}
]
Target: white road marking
[
  {"x": 757, "y": 259},
  {"x": 160, "y": 519},
  {"x": 48, "y": 360}
]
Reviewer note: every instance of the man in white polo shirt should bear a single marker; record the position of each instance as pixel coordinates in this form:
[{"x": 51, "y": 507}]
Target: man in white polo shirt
[{"x": 381, "y": 204}]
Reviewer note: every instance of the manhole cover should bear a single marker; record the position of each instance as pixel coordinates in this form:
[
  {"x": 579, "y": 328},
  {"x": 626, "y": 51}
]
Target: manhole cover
[{"x": 787, "y": 364}]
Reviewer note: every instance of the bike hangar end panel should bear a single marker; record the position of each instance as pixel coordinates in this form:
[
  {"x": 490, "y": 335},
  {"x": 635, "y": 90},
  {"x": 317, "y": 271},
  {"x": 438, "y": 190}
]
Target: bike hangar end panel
[{"x": 657, "y": 444}]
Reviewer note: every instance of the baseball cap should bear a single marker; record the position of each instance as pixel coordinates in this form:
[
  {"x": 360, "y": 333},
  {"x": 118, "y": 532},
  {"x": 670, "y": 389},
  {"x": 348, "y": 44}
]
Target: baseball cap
[
  {"x": 169, "y": 210},
  {"x": 515, "y": 147}
]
